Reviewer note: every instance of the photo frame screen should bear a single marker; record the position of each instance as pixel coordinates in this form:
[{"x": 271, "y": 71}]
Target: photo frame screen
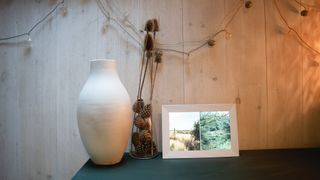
[
  {"x": 199, "y": 131},
  {"x": 195, "y": 131}
]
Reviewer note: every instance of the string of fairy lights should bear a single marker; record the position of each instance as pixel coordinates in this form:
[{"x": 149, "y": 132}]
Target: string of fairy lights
[
  {"x": 114, "y": 14},
  {"x": 304, "y": 12},
  {"x": 209, "y": 40},
  {"x": 28, "y": 33}
]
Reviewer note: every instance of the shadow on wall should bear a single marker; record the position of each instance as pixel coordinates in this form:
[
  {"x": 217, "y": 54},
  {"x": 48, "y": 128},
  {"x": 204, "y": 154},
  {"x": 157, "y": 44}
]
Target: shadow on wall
[
  {"x": 294, "y": 80},
  {"x": 312, "y": 124},
  {"x": 311, "y": 78}
]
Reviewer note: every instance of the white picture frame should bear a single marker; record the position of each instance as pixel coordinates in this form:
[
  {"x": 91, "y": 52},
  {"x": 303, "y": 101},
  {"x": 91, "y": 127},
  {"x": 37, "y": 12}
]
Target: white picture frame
[{"x": 180, "y": 116}]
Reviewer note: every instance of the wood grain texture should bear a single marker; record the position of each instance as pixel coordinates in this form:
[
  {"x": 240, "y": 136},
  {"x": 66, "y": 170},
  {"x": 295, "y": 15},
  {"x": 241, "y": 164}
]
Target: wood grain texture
[
  {"x": 8, "y": 97},
  {"x": 204, "y": 70},
  {"x": 264, "y": 69},
  {"x": 246, "y": 67},
  {"x": 311, "y": 79},
  {"x": 284, "y": 66}
]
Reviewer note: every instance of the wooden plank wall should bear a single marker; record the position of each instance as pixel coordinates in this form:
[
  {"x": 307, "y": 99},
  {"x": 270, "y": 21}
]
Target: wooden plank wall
[{"x": 263, "y": 68}]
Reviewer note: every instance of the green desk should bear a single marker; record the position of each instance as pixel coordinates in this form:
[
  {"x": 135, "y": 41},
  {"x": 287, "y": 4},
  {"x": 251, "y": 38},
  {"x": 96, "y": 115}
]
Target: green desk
[{"x": 256, "y": 164}]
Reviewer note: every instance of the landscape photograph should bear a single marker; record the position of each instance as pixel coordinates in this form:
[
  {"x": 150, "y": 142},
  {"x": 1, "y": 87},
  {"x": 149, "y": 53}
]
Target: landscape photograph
[{"x": 194, "y": 131}]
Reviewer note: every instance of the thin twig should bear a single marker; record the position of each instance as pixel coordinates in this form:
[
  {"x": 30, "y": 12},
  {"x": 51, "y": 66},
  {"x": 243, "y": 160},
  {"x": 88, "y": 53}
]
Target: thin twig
[
  {"x": 293, "y": 30},
  {"x": 234, "y": 14},
  {"x": 197, "y": 48},
  {"x": 107, "y": 15},
  {"x": 131, "y": 25},
  {"x": 172, "y": 50}
]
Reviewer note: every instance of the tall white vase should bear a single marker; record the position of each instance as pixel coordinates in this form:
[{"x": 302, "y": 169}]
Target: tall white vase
[{"x": 104, "y": 113}]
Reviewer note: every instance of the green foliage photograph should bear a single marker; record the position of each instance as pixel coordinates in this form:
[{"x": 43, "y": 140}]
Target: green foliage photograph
[
  {"x": 192, "y": 131},
  {"x": 215, "y": 130}
]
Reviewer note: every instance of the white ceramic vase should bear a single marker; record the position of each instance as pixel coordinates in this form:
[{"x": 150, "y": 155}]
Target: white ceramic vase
[{"x": 104, "y": 113}]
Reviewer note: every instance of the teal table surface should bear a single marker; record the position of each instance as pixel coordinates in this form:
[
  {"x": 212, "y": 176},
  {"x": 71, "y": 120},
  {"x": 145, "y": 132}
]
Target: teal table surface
[{"x": 253, "y": 164}]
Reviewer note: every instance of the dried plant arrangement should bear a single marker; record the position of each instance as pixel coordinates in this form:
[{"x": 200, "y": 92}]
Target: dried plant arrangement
[{"x": 143, "y": 143}]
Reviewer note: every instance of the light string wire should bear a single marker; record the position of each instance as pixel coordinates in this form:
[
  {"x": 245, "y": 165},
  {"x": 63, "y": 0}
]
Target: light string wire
[
  {"x": 208, "y": 37},
  {"x": 220, "y": 31},
  {"x": 108, "y": 16},
  {"x": 188, "y": 53},
  {"x": 28, "y": 33},
  {"x": 131, "y": 25},
  {"x": 301, "y": 4},
  {"x": 203, "y": 42},
  {"x": 305, "y": 5},
  {"x": 304, "y": 43},
  {"x": 124, "y": 18},
  {"x": 135, "y": 30}
]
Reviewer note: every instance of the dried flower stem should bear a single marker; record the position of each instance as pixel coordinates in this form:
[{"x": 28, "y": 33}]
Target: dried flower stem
[
  {"x": 141, "y": 69},
  {"x": 153, "y": 82},
  {"x": 144, "y": 76},
  {"x": 151, "y": 76}
]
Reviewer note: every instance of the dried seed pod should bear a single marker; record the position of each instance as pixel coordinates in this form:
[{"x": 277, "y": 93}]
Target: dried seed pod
[
  {"x": 158, "y": 53},
  {"x": 149, "y": 27},
  {"x": 139, "y": 122},
  {"x": 154, "y": 147},
  {"x": 147, "y": 125},
  {"x": 149, "y": 54},
  {"x": 248, "y": 4},
  {"x": 155, "y": 25},
  {"x": 139, "y": 149},
  {"x": 158, "y": 57},
  {"x": 211, "y": 42},
  {"x": 138, "y": 106},
  {"x": 146, "y": 112},
  {"x": 145, "y": 135},
  {"x": 147, "y": 147},
  {"x": 148, "y": 42},
  {"x": 304, "y": 12},
  {"x": 135, "y": 139}
]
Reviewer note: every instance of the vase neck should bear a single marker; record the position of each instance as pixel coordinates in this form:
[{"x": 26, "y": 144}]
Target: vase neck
[{"x": 103, "y": 66}]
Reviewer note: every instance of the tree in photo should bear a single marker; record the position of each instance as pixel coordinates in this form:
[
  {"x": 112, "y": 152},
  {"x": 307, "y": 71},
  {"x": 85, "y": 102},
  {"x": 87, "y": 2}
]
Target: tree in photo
[
  {"x": 215, "y": 130},
  {"x": 194, "y": 142}
]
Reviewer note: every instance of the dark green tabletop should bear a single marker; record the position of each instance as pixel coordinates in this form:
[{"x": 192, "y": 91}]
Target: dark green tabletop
[{"x": 256, "y": 164}]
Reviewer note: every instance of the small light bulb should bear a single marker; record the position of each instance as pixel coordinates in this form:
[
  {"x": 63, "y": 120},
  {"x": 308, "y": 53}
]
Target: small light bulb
[
  {"x": 64, "y": 9},
  {"x": 126, "y": 19},
  {"x": 211, "y": 42},
  {"x": 105, "y": 25},
  {"x": 228, "y": 35},
  {"x": 304, "y": 12},
  {"x": 248, "y": 4},
  {"x": 29, "y": 38}
]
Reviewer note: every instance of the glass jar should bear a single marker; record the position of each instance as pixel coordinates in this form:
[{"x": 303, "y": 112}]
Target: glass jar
[{"x": 143, "y": 143}]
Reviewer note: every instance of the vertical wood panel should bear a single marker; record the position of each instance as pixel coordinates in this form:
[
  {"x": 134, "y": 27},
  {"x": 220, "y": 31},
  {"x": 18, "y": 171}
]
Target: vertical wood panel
[
  {"x": 8, "y": 95},
  {"x": 284, "y": 77},
  {"x": 246, "y": 67},
  {"x": 118, "y": 45},
  {"x": 311, "y": 78},
  {"x": 77, "y": 43},
  {"x": 204, "y": 69},
  {"x": 36, "y": 78},
  {"x": 115, "y": 43}
]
